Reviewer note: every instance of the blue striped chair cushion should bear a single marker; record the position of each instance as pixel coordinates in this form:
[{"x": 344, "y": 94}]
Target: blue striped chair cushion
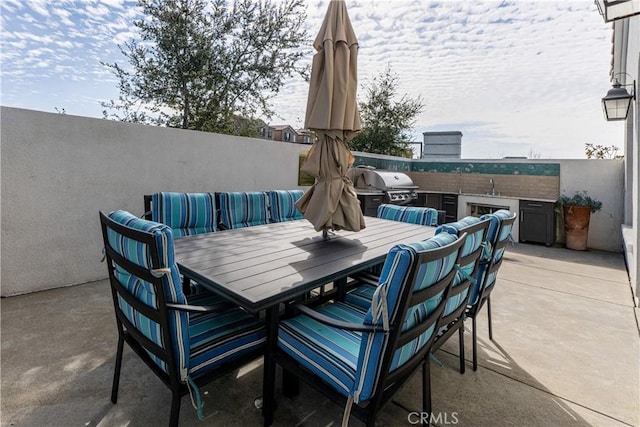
[
  {"x": 409, "y": 214},
  {"x": 492, "y": 238},
  {"x": 362, "y": 295},
  {"x": 349, "y": 361},
  {"x": 392, "y": 212},
  {"x": 283, "y": 205},
  {"x": 243, "y": 209},
  {"x": 331, "y": 353},
  {"x": 219, "y": 337},
  {"x": 420, "y": 216},
  {"x": 185, "y": 213},
  {"x": 471, "y": 244},
  {"x": 139, "y": 254},
  {"x": 396, "y": 267}
]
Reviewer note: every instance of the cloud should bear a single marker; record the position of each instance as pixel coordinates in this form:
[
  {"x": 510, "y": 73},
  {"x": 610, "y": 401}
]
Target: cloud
[{"x": 514, "y": 75}]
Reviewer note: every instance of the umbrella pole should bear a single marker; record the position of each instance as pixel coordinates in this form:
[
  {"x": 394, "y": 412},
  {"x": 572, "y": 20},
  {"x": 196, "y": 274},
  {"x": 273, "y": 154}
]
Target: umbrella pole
[{"x": 325, "y": 234}]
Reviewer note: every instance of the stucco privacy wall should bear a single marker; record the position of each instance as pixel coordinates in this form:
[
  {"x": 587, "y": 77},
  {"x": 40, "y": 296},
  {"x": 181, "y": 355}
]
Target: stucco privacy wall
[
  {"x": 58, "y": 171},
  {"x": 603, "y": 180}
]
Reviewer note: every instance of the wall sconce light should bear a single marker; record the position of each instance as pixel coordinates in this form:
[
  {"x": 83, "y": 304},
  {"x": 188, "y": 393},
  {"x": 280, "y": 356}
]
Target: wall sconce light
[
  {"x": 618, "y": 101},
  {"x": 612, "y": 10}
]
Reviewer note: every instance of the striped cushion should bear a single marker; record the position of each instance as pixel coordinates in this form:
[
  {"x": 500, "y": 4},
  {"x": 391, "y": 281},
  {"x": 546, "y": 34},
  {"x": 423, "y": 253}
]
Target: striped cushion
[
  {"x": 201, "y": 341},
  {"x": 243, "y": 209},
  {"x": 492, "y": 238},
  {"x": 362, "y": 295},
  {"x": 185, "y": 213},
  {"x": 396, "y": 267},
  {"x": 283, "y": 205},
  {"x": 420, "y": 216},
  {"x": 471, "y": 244},
  {"x": 392, "y": 212},
  {"x": 330, "y": 353},
  {"x": 409, "y": 214},
  {"x": 219, "y": 337},
  {"x": 350, "y": 361},
  {"x": 139, "y": 254}
]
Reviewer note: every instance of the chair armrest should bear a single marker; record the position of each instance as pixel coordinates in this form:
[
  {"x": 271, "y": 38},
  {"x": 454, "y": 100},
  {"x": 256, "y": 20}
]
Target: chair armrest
[
  {"x": 192, "y": 308},
  {"x": 336, "y": 323},
  {"x": 366, "y": 278}
]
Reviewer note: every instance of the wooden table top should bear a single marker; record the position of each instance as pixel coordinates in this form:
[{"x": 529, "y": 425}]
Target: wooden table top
[{"x": 258, "y": 267}]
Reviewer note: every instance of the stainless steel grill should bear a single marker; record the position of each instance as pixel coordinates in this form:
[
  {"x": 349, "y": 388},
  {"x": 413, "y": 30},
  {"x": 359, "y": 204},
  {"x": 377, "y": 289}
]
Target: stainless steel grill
[{"x": 397, "y": 187}]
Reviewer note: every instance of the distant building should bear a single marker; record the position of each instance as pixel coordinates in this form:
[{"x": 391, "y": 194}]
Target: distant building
[
  {"x": 284, "y": 133},
  {"x": 304, "y": 136},
  {"x": 442, "y": 145},
  {"x": 266, "y": 132}
]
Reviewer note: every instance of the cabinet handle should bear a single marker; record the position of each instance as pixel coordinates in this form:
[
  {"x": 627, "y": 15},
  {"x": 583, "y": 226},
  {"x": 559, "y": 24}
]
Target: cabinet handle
[
  {"x": 536, "y": 205},
  {"x": 521, "y": 215}
]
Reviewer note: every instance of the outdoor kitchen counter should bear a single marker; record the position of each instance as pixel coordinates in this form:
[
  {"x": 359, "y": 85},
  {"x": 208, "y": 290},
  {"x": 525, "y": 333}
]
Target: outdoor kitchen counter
[{"x": 489, "y": 196}]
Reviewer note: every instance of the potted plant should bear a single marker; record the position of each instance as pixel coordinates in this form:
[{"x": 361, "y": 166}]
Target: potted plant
[{"x": 577, "y": 211}]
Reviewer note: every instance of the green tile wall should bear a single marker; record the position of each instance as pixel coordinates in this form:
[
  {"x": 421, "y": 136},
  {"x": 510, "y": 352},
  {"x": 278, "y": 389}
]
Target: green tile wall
[{"x": 491, "y": 168}]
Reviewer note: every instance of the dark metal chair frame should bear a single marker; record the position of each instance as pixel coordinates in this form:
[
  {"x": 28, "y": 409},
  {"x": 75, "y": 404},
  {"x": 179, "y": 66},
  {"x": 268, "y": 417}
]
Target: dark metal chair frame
[
  {"x": 140, "y": 344},
  {"x": 389, "y": 382},
  {"x": 455, "y": 320},
  {"x": 485, "y": 294}
]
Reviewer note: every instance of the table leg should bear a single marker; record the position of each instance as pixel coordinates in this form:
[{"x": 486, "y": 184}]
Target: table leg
[
  {"x": 269, "y": 375},
  {"x": 341, "y": 291},
  {"x": 290, "y": 384}
]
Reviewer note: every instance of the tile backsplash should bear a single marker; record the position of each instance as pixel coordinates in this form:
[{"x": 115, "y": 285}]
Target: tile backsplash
[
  {"x": 535, "y": 180},
  {"x": 522, "y": 186}
]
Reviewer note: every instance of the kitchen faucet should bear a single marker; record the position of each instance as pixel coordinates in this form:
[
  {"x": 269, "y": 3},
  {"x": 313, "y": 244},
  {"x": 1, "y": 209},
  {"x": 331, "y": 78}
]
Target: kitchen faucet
[{"x": 493, "y": 186}]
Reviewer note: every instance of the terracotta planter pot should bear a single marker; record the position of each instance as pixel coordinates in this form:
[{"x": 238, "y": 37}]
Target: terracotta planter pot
[{"x": 576, "y": 226}]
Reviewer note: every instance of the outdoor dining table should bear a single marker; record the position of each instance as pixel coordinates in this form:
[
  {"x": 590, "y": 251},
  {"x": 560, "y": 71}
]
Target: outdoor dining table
[{"x": 261, "y": 267}]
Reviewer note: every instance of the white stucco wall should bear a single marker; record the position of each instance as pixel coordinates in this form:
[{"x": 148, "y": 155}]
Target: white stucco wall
[
  {"x": 604, "y": 181},
  {"x": 58, "y": 171}
]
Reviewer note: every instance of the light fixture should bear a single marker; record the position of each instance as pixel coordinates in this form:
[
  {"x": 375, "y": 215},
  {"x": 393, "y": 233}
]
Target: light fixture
[
  {"x": 612, "y": 10},
  {"x": 618, "y": 101}
]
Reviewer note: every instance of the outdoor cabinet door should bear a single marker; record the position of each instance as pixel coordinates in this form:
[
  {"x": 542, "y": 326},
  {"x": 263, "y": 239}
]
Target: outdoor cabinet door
[
  {"x": 536, "y": 222},
  {"x": 450, "y": 206},
  {"x": 369, "y": 203}
]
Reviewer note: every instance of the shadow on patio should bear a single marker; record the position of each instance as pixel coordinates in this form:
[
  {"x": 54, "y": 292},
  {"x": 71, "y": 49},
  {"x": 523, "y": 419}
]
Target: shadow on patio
[{"x": 565, "y": 352}]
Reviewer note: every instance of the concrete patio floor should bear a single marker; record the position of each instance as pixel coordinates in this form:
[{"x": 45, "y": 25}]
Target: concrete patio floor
[{"x": 565, "y": 353}]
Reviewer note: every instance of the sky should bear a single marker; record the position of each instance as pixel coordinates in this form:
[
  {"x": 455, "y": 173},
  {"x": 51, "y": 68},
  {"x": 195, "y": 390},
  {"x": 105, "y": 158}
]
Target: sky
[{"x": 517, "y": 78}]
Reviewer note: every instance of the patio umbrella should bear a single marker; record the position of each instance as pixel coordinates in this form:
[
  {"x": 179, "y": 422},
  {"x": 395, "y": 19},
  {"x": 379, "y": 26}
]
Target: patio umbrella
[{"x": 332, "y": 113}]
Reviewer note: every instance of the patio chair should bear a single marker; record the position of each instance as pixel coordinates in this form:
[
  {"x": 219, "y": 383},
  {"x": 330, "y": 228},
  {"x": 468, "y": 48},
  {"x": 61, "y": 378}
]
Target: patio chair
[
  {"x": 282, "y": 204},
  {"x": 185, "y": 213},
  {"x": 453, "y": 316},
  {"x": 363, "y": 357},
  {"x": 470, "y": 258},
  {"x": 498, "y": 235},
  {"x": 243, "y": 209},
  {"x": 410, "y": 214},
  {"x": 186, "y": 342}
]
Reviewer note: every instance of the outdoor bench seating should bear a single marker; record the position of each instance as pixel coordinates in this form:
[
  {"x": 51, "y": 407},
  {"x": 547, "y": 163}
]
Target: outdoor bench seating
[
  {"x": 282, "y": 205},
  {"x": 194, "y": 213}
]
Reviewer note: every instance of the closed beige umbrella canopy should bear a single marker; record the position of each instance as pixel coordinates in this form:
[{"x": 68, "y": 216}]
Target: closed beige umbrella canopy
[{"x": 332, "y": 113}]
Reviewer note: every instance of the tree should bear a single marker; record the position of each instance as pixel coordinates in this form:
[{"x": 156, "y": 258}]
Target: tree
[
  {"x": 601, "y": 152},
  {"x": 385, "y": 122},
  {"x": 205, "y": 66}
]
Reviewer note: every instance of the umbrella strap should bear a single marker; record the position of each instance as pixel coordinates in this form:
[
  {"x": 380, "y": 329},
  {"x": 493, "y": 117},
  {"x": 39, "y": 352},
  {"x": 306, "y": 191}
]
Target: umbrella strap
[
  {"x": 380, "y": 297},
  {"x": 341, "y": 178}
]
